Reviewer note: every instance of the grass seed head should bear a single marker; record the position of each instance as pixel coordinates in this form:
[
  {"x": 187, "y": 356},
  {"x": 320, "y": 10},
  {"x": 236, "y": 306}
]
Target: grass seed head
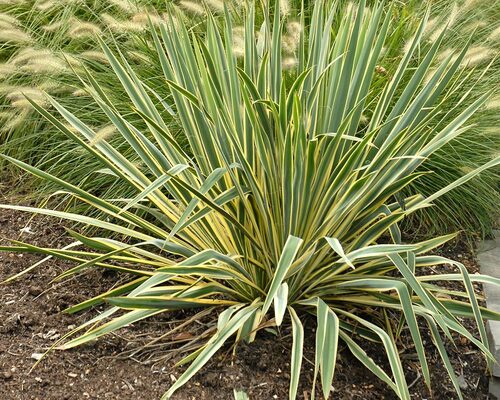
[
  {"x": 7, "y": 69},
  {"x": 28, "y": 54},
  {"x": 80, "y": 93},
  {"x": 494, "y": 36},
  {"x": 14, "y": 35},
  {"x": 7, "y": 18},
  {"x": 122, "y": 26},
  {"x": 103, "y": 134},
  {"x": 284, "y": 7},
  {"x": 81, "y": 30},
  {"x": 17, "y": 119},
  {"x": 54, "y": 26},
  {"x": 477, "y": 55},
  {"x": 143, "y": 18},
  {"x": 289, "y": 63},
  {"x": 192, "y": 7},
  {"x": 17, "y": 95},
  {"x": 215, "y": 5},
  {"x": 493, "y": 103},
  {"x": 94, "y": 55},
  {"x": 124, "y": 5},
  {"x": 50, "y": 65}
]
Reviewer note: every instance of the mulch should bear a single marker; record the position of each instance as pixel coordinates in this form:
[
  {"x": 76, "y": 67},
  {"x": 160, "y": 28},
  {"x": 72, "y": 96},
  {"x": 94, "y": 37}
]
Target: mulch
[{"x": 114, "y": 367}]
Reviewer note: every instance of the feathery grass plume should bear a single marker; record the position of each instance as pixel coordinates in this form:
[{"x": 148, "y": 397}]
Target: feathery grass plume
[
  {"x": 291, "y": 40},
  {"x": 35, "y": 60},
  {"x": 477, "y": 55},
  {"x": 47, "y": 5},
  {"x": 54, "y": 26},
  {"x": 94, "y": 55},
  {"x": 7, "y": 18},
  {"x": 80, "y": 93},
  {"x": 289, "y": 63},
  {"x": 494, "y": 35},
  {"x": 46, "y": 65},
  {"x": 124, "y": 5},
  {"x": 7, "y": 69},
  {"x": 138, "y": 56},
  {"x": 17, "y": 119},
  {"x": 294, "y": 28},
  {"x": 103, "y": 134},
  {"x": 17, "y": 97},
  {"x": 285, "y": 7},
  {"x": 6, "y": 115},
  {"x": 469, "y": 3},
  {"x": 407, "y": 45},
  {"x": 121, "y": 26},
  {"x": 466, "y": 169},
  {"x": 142, "y": 18},
  {"x": 6, "y": 25},
  {"x": 349, "y": 8},
  {"x": 491, "y": 130},
  {"x": 493, "y": 103},
  {"x": 73, "y": 61},
  {"x": 238, "y": 41},
  {"x": 53, "y": 86},
  {"x": 450, "y": 21},
  {"x": 173, "y": 18},
  {"x": 70, "y": 127},
  {"x": 444, "y": 54},
  {"x": 111, "y": 22},
  {"x": 81, "y": 30},
  {"x": 428, "y": 76},
  {"x": 14, "y": 36},
  {"x": 27, "y": 54},
  {"x": 474, "y": 26},
  {"x": 431, "y": 24},
  {"x": 363, "y": 120},
  {"x": 192, "y": 7},
  {"x": 215, "y": 5}
]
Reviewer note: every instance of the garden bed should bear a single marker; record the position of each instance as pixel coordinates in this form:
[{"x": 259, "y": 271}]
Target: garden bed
[{"x": 31, "y": 320}]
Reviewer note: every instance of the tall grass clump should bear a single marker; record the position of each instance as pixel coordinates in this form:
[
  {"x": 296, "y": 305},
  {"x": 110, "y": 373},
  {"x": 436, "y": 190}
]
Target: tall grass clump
[
  {"x": 288, "y": 197},
  {"x": 474, "y": 207},
  {"x": 64, "y": 38}
]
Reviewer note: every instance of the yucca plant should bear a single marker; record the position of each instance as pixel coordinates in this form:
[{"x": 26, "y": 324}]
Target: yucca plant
[{"x": 289, "y": 198}]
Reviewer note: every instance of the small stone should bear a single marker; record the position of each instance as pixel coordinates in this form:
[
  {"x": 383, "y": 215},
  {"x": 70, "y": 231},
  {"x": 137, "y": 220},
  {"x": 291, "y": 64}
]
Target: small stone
[
  {"x": 461, "y": 382},
  {"x": 7, "y": 375},
  {"x": 39, "y": 380},
  {"x": 72, "y": 375},
  {"x": 37, "y": 356},
  {"x": 35, "y": 290}
]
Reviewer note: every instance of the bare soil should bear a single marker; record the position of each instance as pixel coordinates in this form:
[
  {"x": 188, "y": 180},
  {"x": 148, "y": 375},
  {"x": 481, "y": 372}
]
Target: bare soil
[{"x": 31, "y": 320}]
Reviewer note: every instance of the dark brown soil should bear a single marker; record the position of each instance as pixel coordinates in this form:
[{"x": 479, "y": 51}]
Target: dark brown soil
[{"x": 31, "y": 320}]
